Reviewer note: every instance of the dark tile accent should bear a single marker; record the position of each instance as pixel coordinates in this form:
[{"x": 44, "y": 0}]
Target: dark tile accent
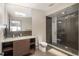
[{"x": 17, "y": 33}]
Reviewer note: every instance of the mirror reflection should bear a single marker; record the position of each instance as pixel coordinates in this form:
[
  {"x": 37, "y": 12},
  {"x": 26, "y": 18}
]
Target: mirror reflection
[{"x": 20, "y": 20}]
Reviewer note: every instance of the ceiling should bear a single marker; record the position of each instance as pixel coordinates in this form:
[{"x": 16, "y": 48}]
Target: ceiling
[
  {"x": 19, "y": 9},
  {"x": 40, "y": 6},
  {"x": 27, "y": 7}
]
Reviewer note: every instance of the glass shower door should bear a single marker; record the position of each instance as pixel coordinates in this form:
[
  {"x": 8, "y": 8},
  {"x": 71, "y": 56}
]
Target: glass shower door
[{"x": 67, "y": 32}]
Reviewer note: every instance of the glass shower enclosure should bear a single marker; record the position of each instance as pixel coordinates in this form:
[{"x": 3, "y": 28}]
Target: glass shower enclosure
[{"x": 62, "y": 29}]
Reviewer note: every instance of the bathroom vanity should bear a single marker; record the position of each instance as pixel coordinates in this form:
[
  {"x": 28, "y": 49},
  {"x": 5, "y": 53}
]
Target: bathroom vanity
[
  {"x": 16, "y": 38},
  {"x": 16, "y": 34},
  {"x": 19, "y": 46}
]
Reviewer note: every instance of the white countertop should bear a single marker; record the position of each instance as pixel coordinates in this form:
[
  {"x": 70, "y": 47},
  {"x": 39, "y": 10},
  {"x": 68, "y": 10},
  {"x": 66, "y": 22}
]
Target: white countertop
[{"x": 17, "y": 38}]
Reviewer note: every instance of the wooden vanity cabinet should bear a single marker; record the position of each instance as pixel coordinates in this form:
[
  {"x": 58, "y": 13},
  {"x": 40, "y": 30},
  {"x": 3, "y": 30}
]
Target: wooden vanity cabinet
[{"x": 21, "y": 47}]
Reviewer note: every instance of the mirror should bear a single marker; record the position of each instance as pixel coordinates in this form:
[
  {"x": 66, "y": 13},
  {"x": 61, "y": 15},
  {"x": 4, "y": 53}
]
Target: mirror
[
  {"x": 20, "y": 18},
  {"x": 19, "y": 21}
]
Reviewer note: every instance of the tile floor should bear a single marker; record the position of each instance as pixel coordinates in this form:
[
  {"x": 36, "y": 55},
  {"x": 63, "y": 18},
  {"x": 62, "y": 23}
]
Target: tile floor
[{"x": 40, "y": 53}]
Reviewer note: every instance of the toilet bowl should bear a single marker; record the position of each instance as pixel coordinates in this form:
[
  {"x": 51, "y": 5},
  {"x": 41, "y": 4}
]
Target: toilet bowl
[{"x": 42, "y": 46}]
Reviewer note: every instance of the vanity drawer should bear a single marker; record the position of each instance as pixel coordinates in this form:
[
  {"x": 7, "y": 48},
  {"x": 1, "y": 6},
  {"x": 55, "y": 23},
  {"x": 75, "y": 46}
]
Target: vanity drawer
[{"x": 21, "y": 47}]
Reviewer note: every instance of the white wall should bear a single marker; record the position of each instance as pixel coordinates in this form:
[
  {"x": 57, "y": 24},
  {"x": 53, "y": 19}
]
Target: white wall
[
  {"x": 3, "y": 14},
  {"x": 57, "y": 7},
  {"x": 1, "y": 38},
  {"x": 39, "y": 24}
]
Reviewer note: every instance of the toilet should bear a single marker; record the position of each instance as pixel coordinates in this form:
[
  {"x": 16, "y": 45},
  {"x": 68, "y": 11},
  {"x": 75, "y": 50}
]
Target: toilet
[{"x": 42, "y": 46}]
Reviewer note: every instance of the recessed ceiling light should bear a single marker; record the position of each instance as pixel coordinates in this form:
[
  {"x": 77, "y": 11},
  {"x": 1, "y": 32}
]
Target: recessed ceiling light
[{"x": 20, "y": 14}]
